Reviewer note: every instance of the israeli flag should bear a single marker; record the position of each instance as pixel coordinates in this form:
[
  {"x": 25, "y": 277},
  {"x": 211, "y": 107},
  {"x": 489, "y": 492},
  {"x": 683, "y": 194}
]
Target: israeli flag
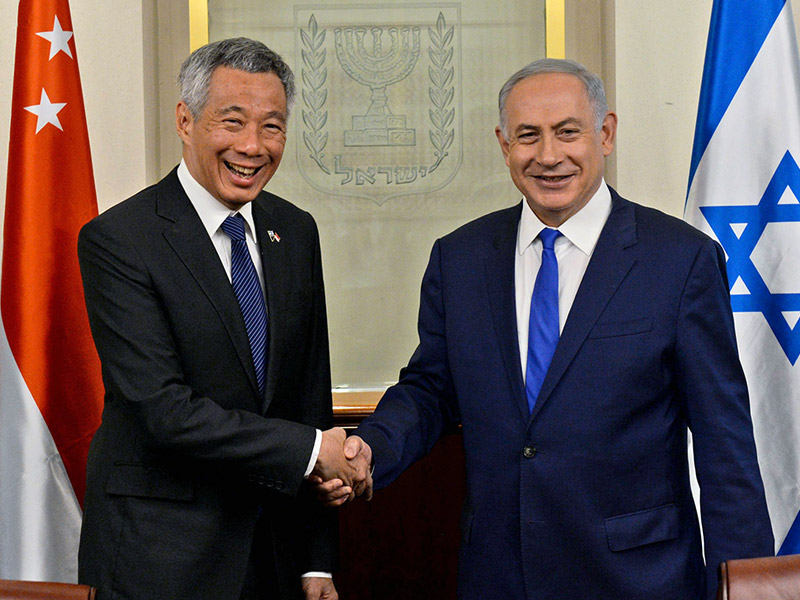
[{"x": 744, "y": 186}]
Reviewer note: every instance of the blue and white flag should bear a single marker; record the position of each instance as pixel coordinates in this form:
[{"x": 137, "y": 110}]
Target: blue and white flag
[{"x": 744, "y": 186}]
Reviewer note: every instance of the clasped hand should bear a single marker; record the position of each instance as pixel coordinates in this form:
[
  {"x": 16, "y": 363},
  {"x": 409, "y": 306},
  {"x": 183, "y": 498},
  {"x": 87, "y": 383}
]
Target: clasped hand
[{"x": 343, "y": 469}]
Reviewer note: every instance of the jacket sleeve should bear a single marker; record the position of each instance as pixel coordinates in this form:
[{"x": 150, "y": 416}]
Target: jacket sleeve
[
  {"x": 317, "y": 526},
  {"x": 714, "y": 392},
  {"x": 144, "y": 375},
  {"x": 414, "y": 413}
]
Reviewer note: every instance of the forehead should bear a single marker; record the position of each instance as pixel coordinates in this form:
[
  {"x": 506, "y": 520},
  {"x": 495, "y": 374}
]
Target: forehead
[
  {"x": 232, "y": 87},
  {"x": 548, "y": 97}
]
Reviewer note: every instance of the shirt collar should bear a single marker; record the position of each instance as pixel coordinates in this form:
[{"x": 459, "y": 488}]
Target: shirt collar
[
  {"x": 210, "y": 210},
  {"x": 582, "y": 229}
]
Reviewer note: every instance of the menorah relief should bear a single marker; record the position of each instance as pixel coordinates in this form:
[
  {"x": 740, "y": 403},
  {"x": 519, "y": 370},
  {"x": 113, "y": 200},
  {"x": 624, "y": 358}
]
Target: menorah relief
[
  {"x": 353, "y": 143},
  {"x": 378, "y": 69}
]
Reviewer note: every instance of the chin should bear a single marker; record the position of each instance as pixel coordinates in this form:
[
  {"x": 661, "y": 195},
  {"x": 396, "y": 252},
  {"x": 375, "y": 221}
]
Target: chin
[{"x": 242, "y": 196}]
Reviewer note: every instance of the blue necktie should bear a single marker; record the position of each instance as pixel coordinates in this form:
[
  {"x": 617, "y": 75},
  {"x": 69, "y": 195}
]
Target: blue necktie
[
  {"x": 543, "y": 325},
  {"x": 248, "y": 292}
]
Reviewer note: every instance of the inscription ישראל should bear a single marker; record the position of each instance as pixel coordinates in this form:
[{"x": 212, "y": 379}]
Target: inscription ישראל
[{"x": 382, "y": 147}]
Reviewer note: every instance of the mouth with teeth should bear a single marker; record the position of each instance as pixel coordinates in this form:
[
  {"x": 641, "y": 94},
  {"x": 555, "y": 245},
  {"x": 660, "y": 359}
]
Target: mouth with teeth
[
  {"x": 240, "y": 171},
  {"x": 553, "y": 178}
]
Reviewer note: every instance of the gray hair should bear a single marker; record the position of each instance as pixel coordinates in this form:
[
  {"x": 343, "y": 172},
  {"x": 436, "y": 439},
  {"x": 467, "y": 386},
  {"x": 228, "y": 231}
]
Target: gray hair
[
  {"x": 241, "y": 53},
  {"x": 592, "y": 83}
]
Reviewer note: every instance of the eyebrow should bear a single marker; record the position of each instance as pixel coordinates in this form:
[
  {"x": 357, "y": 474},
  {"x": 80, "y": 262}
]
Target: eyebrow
[
  {"x": 231, "y": 108},
  {"x": 560, "y": 124},
  {"x": 276, "y": 114},
  {"x": 273, "y": 114}
]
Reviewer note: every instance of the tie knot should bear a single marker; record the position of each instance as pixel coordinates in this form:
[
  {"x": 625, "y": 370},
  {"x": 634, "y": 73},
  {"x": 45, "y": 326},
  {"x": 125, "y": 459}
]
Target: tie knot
[
  {"x": 233, "y": 226},
  {"x": 548, "y": 237}
]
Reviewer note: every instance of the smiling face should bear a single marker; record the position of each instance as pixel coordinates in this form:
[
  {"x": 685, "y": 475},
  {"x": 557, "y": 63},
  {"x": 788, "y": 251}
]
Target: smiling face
[
  {"x": 235, "y": 146},
  {"x": 554, "y": 151}
]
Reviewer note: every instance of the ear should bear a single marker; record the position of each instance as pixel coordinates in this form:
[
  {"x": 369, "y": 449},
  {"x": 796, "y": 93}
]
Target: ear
[
  {"x": 504, "y": 145},
  {"x": 184, "y": 121},
  {"x": 608, "y": 133}
]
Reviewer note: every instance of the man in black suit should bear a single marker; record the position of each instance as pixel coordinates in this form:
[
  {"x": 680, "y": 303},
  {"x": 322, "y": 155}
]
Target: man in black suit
[{"x": 213, "y": 417}]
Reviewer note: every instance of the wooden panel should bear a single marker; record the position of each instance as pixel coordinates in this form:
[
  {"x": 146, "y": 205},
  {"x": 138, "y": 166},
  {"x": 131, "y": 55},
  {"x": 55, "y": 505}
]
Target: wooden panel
[
  {"x": 351, "y": 406},
  {"x": 404, "y": 543}
]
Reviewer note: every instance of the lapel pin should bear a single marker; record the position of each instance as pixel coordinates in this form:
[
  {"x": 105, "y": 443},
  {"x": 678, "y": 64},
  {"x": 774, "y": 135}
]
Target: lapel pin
[{"x": 273, "y": 237}]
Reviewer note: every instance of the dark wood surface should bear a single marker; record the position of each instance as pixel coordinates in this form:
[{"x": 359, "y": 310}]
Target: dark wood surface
[{"x": 403, "y": 545}]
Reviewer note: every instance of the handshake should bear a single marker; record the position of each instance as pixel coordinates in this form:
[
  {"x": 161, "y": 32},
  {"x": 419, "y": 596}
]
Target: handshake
[{"x": 343, "y": 469}]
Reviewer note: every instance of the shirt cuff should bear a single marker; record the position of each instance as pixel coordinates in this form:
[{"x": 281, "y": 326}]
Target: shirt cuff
[
  {"x": 317, "y": 574},
  {"x": 314, "y": 455}
]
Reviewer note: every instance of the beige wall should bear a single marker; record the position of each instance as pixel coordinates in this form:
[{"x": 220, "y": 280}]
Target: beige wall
[
  {"x": 110, "y": 56},
  {"x": 659, "y": 53},
  {"x": 658, "y": 71},
  {"x": 651, "y": 52}
]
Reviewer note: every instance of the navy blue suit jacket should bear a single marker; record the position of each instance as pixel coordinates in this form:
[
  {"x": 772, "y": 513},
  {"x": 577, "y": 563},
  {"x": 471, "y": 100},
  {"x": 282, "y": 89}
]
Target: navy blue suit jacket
[{"x": 588, "y": 497}]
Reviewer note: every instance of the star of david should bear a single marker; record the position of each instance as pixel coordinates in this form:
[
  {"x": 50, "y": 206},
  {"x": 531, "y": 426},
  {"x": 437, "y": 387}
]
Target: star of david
[{"x": 739, "y": 244}]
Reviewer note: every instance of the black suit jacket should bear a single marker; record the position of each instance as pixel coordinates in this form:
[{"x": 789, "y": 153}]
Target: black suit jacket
[{"x": 188, "y": 454}]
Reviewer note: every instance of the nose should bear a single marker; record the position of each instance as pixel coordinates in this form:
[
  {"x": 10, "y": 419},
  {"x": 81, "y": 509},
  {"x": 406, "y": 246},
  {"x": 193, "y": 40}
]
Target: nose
[
  {"x": 549, "y": 153},
  {"x": 247, "y": 141}
]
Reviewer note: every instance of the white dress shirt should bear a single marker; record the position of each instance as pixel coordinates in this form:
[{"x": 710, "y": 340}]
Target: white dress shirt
[{"x": 573, "y": 250}]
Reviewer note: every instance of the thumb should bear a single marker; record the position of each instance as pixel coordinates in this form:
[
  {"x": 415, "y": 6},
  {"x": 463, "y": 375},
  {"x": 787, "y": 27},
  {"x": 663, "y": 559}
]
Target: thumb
[{"x": 352, "y": 447}]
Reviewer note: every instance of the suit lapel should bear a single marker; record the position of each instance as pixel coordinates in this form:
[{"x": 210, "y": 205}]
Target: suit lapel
[
  {"x": 612, "y": 259},
  {"x": 273, "y": 264},
  {"x": 499, "y": 277},
  {"x": 189, "y": 240}
]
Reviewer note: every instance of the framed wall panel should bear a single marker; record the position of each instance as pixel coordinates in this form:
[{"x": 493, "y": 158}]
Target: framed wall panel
[{"x": 391, "y": 145}]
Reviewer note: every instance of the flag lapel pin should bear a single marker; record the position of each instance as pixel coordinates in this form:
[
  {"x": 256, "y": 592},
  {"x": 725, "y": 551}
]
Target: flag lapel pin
[{"x": 273, "y": 237}]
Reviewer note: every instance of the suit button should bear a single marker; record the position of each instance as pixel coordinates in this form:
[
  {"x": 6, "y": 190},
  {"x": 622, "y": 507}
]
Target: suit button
[
  {"x": 279, "y": 485},
  {"x": 260, "y": 480},
  {"x": 529, "y": 451}
]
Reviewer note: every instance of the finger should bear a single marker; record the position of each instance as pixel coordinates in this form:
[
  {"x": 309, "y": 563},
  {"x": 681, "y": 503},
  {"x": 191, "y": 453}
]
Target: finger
[
  {"x": 341, "y": 492},
  {"x": 334, "y": 496},
  {"x": 364, "y": 472},
  {"x": 359, "y": 477},
  {"x": 368, "y": 492},
  {"x": 352, "y": 447},
  {"x": 334, "y": 503},
  {"x": 364, "y": 488},
  {"x": 329, "y": 486}
]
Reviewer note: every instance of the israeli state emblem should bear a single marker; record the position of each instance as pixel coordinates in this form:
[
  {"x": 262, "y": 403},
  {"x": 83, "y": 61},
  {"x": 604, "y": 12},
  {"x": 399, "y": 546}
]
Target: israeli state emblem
[{"x": 379, "y": 98}]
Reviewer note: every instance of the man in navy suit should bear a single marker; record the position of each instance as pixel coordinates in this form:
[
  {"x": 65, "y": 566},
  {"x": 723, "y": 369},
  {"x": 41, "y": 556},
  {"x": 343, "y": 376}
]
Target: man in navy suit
[{"x": 579, "y": 487}]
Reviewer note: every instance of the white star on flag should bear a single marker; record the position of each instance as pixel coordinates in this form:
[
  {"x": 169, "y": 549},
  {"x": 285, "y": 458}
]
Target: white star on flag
[
  {"x": 58, "y": 38},
  {"x": 46, "y": 111}
]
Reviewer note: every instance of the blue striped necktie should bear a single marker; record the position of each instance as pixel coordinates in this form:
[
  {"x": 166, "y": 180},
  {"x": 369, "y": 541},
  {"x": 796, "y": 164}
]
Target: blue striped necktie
[
  {"x": 248, "y": 292},
  {"x": 543, "y": 324}
]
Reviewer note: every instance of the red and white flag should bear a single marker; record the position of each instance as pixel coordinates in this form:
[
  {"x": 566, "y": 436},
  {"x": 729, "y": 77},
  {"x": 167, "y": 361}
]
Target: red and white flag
[{"x": 51, "y": 392}]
